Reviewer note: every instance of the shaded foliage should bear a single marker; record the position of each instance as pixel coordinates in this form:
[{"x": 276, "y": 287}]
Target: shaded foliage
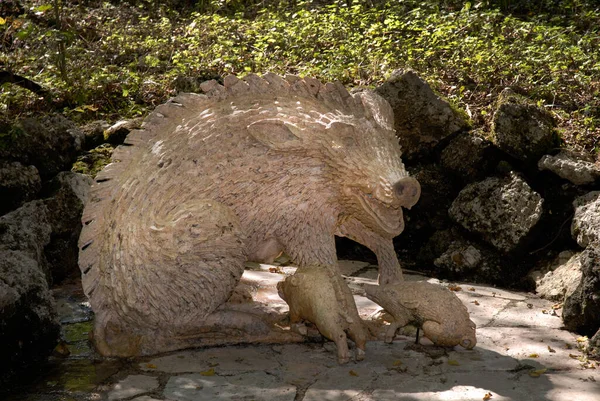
[{"x": 125, "y": 57}]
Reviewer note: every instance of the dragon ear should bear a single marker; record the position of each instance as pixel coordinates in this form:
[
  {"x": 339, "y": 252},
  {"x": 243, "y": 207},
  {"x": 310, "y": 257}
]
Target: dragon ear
[{"x": 276, "y": 134}]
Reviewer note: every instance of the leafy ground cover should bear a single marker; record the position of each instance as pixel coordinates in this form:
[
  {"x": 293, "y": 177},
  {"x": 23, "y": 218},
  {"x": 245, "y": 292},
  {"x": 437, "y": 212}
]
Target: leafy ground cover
[{"x": 111, "y": 60}]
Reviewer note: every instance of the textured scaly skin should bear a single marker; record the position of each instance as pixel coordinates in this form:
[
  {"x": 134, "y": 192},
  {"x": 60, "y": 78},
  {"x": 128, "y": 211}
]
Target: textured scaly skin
[
  {"x": 437, "y": 310},
  {"x": 250, "y": 169}
]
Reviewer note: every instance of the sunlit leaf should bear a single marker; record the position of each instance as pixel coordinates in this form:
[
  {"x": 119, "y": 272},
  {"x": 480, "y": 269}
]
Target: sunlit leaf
[
  {"x": 537, "y": 373},
  {"x": 43, "y": 8}
]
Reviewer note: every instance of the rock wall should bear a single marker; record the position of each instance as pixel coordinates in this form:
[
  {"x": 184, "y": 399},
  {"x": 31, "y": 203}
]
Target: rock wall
[
  {"x": 40, "y": 210},
  {"x": 495, "y": 204}
]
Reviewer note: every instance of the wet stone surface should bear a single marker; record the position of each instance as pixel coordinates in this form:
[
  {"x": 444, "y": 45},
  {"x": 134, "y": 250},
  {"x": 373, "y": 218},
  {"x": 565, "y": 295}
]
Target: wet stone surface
[{"x": 522, "y": 354}]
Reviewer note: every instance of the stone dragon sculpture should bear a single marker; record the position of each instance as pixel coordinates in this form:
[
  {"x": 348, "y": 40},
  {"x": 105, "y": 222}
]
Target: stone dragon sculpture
[{"x": 241, "y": 173}]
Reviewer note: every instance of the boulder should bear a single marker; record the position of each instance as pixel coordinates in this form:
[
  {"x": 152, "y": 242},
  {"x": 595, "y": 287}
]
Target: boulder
[
  {"x": 26, "y": 229},
  {"x": 560, "y": 279},
  {"x": 116, "y": 133},
  {"x": 70, "y": 192},
  {"x": 585, "y": 227},
  {"x": 29, "y": 327},
  {"x": 501, "y": 210},
  {"x": 581, "y": 310},
  {"x": 437, "y": 192},
  {"x": 18, "y": 184},
  {"x": 594, "y": 345},
  {"x": 50, "y": 143},
  {"x": 522, "y": 129},
  {"x": 93, "y": 133},
  {"x": 429, "y": 215},
  {"x": 454, "y": 257},
  {"x": 467, "y": 260},
  {"x": 469, "y": 157},
  {"x": 460, "y": 259},
  {"x": 577, "y": 168},
  {"x": 421, "y": 118}
]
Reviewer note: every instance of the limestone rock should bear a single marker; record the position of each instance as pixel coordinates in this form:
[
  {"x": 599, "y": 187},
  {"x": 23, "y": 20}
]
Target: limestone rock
[
  {"x": 585, "y": 227},
  {"x": 594, "y": 345},
  {"x": 70, "y": 193},
  {"x": 459, "y": 258},
  {"x": 502, "y": 210},
  {"x": 50, "y": 143},
  {"x": 421, "y": 118},
  {"x": 466, "y": 260},
  {"x": 28, "y": 324},
  {"x": 437, "y": 193},
  {"x": 18, "y": 184},
  {"x": 93, "y": 133},
  {"x": 26, "y": 229},
  {"x": 561, "y": 279},
  {"x": 522, "y": 129},
  {"x": 581, "y": 310},
  {"x": 469, "y": 157},
  {"x": 572, "y": 167},
  {"x": 116, "y": 133}
]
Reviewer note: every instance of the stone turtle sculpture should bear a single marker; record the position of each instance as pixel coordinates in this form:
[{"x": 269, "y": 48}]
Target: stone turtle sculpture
[
  {"x": 317, "y": 294},
  {"x": 437, "y": 310},
  {"x": 249, "y": 169}
]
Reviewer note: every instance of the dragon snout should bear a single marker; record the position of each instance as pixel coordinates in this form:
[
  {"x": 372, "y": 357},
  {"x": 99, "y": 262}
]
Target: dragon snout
[{"x": 408, "y": 191}]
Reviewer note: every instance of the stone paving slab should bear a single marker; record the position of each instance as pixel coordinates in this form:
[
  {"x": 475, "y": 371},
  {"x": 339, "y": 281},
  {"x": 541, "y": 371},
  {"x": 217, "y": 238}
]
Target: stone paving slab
[
  {"x": 522, "y": 354},
  {"x": 245, "y": 386},
  {"x": 133, "y": 385}
]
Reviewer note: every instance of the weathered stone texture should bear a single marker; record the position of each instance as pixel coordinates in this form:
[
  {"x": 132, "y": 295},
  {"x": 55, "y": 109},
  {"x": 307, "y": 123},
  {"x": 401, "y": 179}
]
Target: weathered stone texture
[
  {"x": 320, "y": 296},
  {"x": 421, "y": 118},
  {"x": 561, "y": 279},
  {"x": 70, "y": 192},
  {"x": 133, "y": 385},
  {"x": 586, "y": 221},
  {"x": 18, "y": 184},
  {"x": 251, "y": 168},
  {"x": 571, "y": 166},
  {"x": 28, "y": 323},
  {"x": 522, "y": 129},
  {"x": 50, "y": 143},
  {"x": 469, "y": 157},
  {"x": 26, "y": 229},
  {"x": 581, "y": 310},
  {"x": 442, "y": 316},
  {"x": 501, "y": 210}
]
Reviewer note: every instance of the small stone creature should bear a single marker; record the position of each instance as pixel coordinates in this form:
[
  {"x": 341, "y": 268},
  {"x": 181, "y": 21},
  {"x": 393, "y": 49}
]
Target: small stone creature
[
  {"x": 437, "y": 310},
  {"x": 241, "y": 173},
  {"x": 317, "y": 294}
]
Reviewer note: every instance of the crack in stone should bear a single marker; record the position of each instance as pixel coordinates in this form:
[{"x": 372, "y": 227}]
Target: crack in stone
[
  {"x": 301, "y": 390},
  {"x": 491, "y": 322}
]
